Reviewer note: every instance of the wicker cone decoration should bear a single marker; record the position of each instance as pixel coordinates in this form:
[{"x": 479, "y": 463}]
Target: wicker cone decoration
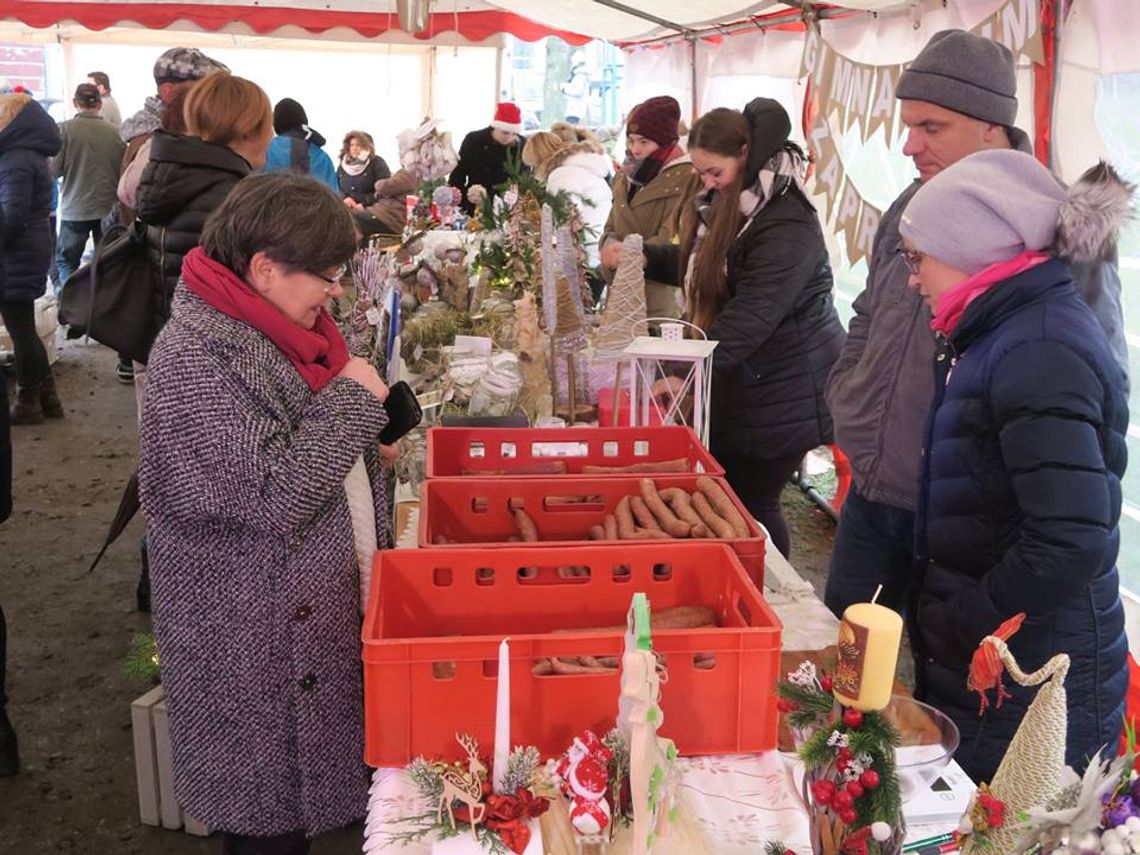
[
  {"x": 568, "y": 312},
  {"x": 1030, "y": 772},
  {"x": 624, "y": 315}
]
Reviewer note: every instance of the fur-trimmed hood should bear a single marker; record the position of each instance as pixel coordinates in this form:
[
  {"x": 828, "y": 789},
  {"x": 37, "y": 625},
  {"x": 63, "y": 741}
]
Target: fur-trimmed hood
[
  {"x": 1098, "y": 206},
  {"x": 585, "y": 157}
]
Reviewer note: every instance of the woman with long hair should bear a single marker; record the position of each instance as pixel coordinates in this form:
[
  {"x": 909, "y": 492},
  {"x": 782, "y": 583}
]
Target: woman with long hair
[
  {"x": 758, "y": 281},
  {"x": 359, "y": 168}
]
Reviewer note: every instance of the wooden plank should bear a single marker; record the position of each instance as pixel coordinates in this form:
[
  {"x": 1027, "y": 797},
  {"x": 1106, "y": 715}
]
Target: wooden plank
[
  {"x": 194, "y": 827},
  {"x": 169, "y": 811},
  {"x": 146, "y": 764}
]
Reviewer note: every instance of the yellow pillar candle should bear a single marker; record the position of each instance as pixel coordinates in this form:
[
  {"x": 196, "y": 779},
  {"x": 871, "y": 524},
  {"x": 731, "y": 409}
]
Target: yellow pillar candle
[{"x": 869, "y": 637}]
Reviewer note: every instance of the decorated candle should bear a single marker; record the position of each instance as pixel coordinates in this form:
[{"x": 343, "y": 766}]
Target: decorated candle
[
  {"x": 869, "y": 636},
  {"x": 502, "y": 718}
]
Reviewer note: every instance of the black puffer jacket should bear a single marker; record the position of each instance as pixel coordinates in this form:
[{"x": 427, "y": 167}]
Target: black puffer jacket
[
  {"x": 186, "y": 181},
  {"x": 778, "y": 335},
  {"x": 1019, "y": 507},
  {"x": 25, "y": 202},
  {"x": 362, "y": 187}
]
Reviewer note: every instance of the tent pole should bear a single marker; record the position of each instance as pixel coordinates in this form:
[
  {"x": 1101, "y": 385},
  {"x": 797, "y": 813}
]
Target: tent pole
[
  {"x": 645, "y": 16},
  {"x": 751, "y": 24},
  {"x": 696, "y": 111}
]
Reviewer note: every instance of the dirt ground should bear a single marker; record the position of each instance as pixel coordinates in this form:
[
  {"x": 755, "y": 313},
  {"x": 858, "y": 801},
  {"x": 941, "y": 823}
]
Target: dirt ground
[{"x": 69, "y": 631}]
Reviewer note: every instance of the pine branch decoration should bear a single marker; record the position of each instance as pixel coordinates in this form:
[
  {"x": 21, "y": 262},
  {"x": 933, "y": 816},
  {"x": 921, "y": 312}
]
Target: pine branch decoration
[{"x": 522, "y": 764}]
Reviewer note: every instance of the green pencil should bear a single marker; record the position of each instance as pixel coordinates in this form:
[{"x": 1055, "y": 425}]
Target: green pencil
[{"x": 929, "y": 841}]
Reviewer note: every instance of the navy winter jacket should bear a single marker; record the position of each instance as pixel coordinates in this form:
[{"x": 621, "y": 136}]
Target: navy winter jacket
[
  {"x": 25, "y": 203},
  {"x": 1019, "y": 507}
]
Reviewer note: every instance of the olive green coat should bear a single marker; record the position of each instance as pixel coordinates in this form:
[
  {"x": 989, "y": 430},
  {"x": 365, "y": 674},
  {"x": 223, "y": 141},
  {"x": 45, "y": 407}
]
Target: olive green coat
[{"x": 655, "y": 213}]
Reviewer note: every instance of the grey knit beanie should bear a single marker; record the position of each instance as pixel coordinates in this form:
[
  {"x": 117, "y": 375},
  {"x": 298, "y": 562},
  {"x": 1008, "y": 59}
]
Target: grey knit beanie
[
  {"x": 986, "y": 208},
  {"x": 965, "y": 73}
]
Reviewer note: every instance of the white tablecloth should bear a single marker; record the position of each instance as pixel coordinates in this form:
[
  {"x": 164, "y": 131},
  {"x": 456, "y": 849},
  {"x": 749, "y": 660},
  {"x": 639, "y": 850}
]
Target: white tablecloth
[{"x": 738, "y": 801}]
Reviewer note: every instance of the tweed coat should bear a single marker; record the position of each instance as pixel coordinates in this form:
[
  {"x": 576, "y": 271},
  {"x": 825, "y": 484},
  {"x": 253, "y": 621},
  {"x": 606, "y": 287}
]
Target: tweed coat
[{"x": 254, "y": 577}]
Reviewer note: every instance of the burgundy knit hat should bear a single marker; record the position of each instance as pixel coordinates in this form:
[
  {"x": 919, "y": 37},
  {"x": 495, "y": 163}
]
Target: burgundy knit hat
[{"x": 656, "y": 119}]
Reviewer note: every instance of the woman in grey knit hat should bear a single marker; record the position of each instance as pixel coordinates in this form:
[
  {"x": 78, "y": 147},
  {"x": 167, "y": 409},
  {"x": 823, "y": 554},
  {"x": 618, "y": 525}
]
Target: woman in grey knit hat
[{"x": 1024, "y": 450}]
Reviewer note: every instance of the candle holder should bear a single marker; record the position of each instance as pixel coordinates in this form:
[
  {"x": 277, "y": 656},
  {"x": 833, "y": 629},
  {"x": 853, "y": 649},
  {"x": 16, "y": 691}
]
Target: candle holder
[{"x": 850, "y": 787}]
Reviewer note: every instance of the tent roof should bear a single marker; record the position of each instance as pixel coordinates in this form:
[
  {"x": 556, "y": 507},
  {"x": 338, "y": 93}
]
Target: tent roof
[{"x": 576, "y": 21}]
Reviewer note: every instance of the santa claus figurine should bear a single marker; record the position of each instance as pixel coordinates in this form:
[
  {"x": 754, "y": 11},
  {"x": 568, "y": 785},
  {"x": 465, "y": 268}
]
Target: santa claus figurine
[{"x": 583, "y": 776}]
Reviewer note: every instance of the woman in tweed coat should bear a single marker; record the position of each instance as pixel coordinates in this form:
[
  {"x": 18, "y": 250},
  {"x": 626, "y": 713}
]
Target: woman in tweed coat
[{"x": 254, "y": 418}]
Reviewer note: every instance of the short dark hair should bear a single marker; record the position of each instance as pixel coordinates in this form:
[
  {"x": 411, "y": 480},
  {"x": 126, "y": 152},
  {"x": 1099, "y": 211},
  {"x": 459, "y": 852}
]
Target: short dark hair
[
  {"x": 87, "y": 96},
  {"x": 294, "y": 219},
  {"x": 100, "y": 78}
]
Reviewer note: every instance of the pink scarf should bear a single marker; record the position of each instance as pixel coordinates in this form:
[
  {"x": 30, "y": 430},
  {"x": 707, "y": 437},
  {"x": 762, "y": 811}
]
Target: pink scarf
[
  {"x": 318, "y": 354},
  {"x": 952, "y": 304}
]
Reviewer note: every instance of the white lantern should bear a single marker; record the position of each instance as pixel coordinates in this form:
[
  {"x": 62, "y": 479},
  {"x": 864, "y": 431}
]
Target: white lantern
[{"x": 687, "y": 365}]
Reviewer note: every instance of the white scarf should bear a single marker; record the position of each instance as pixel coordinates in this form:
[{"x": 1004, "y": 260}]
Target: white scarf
[{"x": 353, "y": 166}]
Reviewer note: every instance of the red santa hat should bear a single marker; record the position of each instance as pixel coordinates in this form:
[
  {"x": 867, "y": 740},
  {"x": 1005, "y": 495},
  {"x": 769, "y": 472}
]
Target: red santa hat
[{"x": 508, "y": 117}]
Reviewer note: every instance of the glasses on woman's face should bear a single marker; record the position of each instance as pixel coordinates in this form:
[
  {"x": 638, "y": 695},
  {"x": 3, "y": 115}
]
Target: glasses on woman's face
[
  {"x": 333, "y": 282},
  {"x": 912, "y": 258}
]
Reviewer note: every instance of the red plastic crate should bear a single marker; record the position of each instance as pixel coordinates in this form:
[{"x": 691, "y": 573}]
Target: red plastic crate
[
  {"x": 539, "y": 452},
  {"x": 468, "y": 511},
  {"x": 435, "y": 619}
]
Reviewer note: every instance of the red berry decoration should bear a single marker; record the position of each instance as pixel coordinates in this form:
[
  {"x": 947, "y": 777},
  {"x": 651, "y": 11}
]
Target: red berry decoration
[
  {"x": 869, "y": 779},
  {"x": 841, "y": 763},
  {"x": 785, "y": 706},
  {"x": 855, "y": 789},
  {"x": 824, "y": 792},
  {"x": 826, "y": 683},
  {"x": 842, "y": 801},
  {"x": 848, "y": 816},
  {"x": 853, "y": 717}
]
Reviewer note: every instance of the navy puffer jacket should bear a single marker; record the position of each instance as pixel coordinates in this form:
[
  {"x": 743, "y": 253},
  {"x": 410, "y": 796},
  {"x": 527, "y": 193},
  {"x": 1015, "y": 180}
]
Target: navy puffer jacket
[
  {"x": 25, "y": 203},
  {"x": 1018, "y": 512}
]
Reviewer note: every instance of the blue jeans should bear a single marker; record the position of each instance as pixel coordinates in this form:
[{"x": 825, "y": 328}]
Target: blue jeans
[
  {"x": 71, "y": 242},
  {"x": 873, "y": 546}
]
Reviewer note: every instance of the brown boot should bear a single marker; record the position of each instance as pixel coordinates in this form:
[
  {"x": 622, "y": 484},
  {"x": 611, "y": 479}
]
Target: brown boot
[
  {"x": 49, "y": 399},
  {"x": 27, "y": 410}
]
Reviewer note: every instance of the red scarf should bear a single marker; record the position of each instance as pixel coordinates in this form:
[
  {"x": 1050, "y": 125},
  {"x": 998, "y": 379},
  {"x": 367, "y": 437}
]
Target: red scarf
[
  {"x": 952, "y": 304},
  {"x": 318, "y": 354}
]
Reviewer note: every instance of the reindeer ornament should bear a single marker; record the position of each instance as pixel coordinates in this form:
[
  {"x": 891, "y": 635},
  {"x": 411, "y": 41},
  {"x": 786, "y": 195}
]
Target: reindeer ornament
[{"x": 463, "y": 785}]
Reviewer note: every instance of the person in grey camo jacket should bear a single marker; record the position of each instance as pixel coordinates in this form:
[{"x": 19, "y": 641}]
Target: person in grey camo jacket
[{"x": 256, "y": 426}]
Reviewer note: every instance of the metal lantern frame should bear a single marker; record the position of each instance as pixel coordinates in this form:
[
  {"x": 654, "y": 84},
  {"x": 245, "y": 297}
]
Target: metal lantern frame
[{"x": 651, "y": 359}]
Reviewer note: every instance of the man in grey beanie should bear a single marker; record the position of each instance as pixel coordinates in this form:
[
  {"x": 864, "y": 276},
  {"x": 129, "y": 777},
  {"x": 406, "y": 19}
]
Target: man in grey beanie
[{"x": 959, "y": 97}]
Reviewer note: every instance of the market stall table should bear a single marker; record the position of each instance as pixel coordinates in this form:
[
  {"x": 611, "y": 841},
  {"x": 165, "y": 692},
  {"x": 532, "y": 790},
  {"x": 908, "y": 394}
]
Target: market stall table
[{"x": 732, "y": 804}]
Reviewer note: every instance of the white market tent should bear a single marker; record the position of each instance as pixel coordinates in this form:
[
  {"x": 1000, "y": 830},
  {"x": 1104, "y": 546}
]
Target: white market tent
[
  {"x": 827, "y": 62},
  {"x": 687, "y": 48}
]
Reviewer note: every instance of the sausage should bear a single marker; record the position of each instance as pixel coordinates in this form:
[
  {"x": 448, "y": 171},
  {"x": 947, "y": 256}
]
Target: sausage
[
  {"x": 641, "y": 513},
  {"x": 526, "y": 526},
  {"x": 682, "y": 506},
  {"x": 610, "y": 526},
  {"x": 719, "y": 526},
  {"x": 680, "y": 464},
  {"x": 624, "y": 519},
  {"x": 660, "y": 510},
  {"x": 723, "y": 505},
  {"x": 650, "y": 534},
  {"x": 597, "y": 532}
]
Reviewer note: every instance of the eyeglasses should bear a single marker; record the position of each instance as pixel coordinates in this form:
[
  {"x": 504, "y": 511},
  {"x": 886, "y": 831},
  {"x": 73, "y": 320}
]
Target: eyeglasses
[
  {"x": 912, "y": 258},
  {"x": 333, "y": 281}
]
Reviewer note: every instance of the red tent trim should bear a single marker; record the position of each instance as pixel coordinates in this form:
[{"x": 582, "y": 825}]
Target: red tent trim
[{"x": 474, "y": 26}]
